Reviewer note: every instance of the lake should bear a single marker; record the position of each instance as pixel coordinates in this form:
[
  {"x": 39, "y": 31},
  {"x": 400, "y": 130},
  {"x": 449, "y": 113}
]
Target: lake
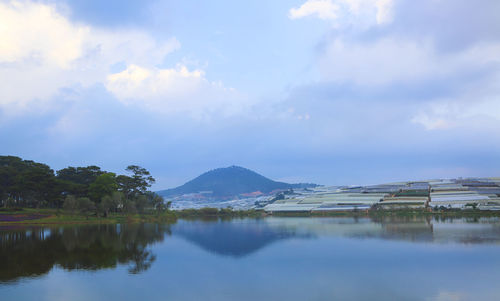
[{"x": 273, "y": 258}]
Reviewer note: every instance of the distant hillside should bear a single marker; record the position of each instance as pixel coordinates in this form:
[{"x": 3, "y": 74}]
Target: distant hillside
[{"x": 230, "y": 181}]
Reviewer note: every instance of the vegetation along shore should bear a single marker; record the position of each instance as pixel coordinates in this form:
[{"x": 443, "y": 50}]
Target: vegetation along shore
[{"x": 33, "y": 193}]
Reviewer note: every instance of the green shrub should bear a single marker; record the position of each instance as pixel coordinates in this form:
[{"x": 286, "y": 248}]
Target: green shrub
[{"x": 70, "y": 204}]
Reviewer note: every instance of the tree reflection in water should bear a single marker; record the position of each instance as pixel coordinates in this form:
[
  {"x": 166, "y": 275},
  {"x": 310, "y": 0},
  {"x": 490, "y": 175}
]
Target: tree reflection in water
[{"x": 33, "y": 252}]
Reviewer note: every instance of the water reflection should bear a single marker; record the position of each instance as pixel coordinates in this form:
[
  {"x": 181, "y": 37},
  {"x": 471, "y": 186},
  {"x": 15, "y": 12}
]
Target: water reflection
[
  {"x": 34, "y": 251},
  {"x": 237, "y": 238}
]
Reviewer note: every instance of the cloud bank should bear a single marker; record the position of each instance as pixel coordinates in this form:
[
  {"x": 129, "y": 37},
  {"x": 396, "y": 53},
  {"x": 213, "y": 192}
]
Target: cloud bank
[
  {"x": 405, "y": 50},
  {"x": 43, "y": 52},
  {"x": 345, "y": 11}
]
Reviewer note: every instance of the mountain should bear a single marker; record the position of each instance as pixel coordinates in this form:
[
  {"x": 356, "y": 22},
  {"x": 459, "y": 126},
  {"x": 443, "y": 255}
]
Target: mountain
[{"x": 230, "y": 181}]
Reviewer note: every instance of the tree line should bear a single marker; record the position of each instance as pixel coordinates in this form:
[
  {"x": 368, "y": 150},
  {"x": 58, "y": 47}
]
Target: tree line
[{"x": 88, "y": 190}]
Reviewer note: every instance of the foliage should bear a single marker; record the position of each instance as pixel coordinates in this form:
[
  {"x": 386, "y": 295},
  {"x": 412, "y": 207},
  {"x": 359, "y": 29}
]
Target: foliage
[
  {"x": 157, "y": 202},
  {"x": 26, "y": 183},
  {"x": 103, "y": 185},
  {"x": 70, "y": 204},
  {"x": 106, "y": 205},
  {"x": 129, "y": 207},
  {"x": 138, "y": 183},
  {"x": 141, "y": 202},
  {"x": 85, "y": 206},
  {"x": 77, "y": 180},
  {"x": 88, "y": 190}
]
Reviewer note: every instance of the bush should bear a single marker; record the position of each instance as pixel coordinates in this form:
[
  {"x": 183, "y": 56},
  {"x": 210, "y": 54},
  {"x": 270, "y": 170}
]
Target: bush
[
  {"x": 141, "y": 203},
  {"x": 129, "y": 207},
  {"x": 209, "y": 211},
  {"x": 85, "y": 206},
  {"x": 70, "y": 204},
  {"x": 108, "y": 203}
]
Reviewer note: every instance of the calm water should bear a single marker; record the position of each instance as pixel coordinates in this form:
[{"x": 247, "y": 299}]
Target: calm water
[{"x": 265, "y": 259}]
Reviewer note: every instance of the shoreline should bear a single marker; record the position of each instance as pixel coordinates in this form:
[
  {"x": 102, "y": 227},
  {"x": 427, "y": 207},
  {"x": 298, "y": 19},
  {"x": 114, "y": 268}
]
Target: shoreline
[{"x": 52, "y": 217}]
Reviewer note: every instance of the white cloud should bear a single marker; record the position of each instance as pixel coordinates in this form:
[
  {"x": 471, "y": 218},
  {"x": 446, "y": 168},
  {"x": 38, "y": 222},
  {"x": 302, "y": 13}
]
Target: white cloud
[
  {"x": 363, "y": 12},
  {"x": 41, "y": 52},
  {"x": 442, "y": 76},
  {"x": 471, "y": 112},
  {"x": 323, "y": 9},
  {"x": 377, "y": 62},
  {"x": 389, "y": 61},
  {"x": 384, "y": 11},
  {"x": 137, "y": 82},
  {"x": 174, "y": 90},
  {"x": 36, "y": 32},
  {"x": 435, "y": 116},
  {"x": 393, "y": 59}
]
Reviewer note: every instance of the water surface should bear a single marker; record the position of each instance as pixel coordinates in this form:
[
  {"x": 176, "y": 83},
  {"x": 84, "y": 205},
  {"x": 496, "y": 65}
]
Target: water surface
[{"x": 255, "y": 259}]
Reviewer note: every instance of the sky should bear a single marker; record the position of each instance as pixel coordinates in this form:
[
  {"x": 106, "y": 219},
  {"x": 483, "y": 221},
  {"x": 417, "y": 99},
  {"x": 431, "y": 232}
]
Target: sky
[{"x": 336, "y": 92}]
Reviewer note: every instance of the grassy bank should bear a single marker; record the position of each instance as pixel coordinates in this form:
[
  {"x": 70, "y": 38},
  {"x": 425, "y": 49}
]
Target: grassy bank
[
  {"x": 28, "y": 216},
  {"x": 217, "y": 213}
]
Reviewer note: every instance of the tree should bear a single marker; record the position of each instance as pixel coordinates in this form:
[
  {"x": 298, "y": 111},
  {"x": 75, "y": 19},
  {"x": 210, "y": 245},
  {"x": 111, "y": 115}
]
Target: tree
[
  {"x": 106, "y": 205},
  {"x": 38, "y": 185},
  {"x": 27, "y": 183},
  {"x": 103, "y": 185},
  {"x": 80, "y": 175},
  {"x": 85, "y": 206},
  {"x": 156, "y": 201},
  {"x": 76, "y": 180},
  {"x": 70, "y": 204},
  {"x": 140, "y": 180},
  {"x": 125, "y": 185},
  {"x": 118, "y": 198},
  {"x": 111, "y": 203},
  {"x": 141, "y": 203},
  {"x": 129, "y": 207}
]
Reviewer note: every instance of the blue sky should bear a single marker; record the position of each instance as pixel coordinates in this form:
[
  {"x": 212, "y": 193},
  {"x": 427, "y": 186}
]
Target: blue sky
[{"x": 325, "y": 91}]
